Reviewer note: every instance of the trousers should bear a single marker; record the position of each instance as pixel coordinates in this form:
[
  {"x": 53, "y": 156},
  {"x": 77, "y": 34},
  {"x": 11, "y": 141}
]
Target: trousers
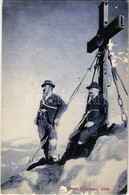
[
  {"x": 88, "y": 132},
  {"x": 46, "y": 129}
]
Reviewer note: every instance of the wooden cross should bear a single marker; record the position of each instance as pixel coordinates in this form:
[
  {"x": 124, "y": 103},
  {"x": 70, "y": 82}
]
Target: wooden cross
[{"x": 105, "y": 33}]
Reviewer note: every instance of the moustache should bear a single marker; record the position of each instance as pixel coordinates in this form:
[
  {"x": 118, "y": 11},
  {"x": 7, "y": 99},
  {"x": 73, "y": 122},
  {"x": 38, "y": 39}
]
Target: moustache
[{"x": 91, "y": 94}]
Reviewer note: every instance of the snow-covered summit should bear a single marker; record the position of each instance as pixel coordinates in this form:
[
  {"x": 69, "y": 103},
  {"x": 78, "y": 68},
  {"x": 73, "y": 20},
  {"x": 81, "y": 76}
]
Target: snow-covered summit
[{"x": 97, "y": 174}]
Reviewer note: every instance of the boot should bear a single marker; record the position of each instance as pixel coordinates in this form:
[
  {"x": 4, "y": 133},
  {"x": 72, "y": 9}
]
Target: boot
[
  {"x": 68, "y": 153},
  {"x": 42, "y": 161},
  {"x": 63, "y": 160},
  {"x": 50, "y": 161}
]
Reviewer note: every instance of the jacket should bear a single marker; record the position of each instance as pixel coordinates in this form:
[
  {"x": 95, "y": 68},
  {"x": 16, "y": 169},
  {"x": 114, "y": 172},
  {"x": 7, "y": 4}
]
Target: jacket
[
  {"x": 98, "y": 110},
  {"x": 52, "y": 108}
]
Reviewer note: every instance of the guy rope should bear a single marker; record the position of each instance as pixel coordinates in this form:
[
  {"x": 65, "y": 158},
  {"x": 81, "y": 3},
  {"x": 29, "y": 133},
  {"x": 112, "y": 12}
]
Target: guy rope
[{"x": 79, "y": 85}]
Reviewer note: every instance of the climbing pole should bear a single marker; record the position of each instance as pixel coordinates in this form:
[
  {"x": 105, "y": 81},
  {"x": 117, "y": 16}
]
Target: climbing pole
[{"x": 100, "y": 40}]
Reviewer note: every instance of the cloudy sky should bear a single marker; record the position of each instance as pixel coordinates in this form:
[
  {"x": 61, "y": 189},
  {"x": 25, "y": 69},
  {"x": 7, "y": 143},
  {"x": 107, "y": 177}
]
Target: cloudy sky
[{"x": 47, "y": 40}]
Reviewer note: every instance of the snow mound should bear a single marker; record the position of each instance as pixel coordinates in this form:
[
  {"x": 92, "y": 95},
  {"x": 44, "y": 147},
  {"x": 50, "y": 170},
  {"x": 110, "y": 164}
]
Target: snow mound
[
  {"x": 109, "y": 147},
  {"x": 97, "y": 174}
]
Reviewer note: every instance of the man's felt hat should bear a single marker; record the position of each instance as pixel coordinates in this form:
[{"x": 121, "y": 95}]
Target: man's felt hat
[
  {"x": 48, "y": 82},
  {"x": 94, "y": 85}
]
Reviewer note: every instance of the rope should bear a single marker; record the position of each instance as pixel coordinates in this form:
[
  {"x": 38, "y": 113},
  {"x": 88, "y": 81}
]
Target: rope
[
  {"x": 82, "y": 120},
  {"x": 79, "y": 85}
]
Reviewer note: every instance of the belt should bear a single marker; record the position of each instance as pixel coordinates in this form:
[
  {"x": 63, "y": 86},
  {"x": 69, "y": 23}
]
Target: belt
[
  {"x": 42, "y": 113},
  {"x": 49, "y": 106}
]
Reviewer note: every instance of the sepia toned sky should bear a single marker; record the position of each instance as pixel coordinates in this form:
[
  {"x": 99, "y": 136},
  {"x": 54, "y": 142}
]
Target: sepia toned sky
[{"x": 47, "y": 40}]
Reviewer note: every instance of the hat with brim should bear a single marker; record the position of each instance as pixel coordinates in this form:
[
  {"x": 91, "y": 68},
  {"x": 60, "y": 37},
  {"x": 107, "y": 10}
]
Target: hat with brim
[
  {"x": 94, "y": 85},
  {"x": 48, "y": 82}
]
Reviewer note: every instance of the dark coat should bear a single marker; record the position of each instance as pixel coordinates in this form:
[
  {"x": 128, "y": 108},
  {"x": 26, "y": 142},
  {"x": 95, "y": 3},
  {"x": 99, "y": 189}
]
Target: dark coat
[
  {"x": 54, "y": 107},
  {"x": 98, "y": 110}
]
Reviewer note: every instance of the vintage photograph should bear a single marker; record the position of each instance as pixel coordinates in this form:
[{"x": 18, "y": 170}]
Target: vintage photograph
[{"x": 64, "y": 97}]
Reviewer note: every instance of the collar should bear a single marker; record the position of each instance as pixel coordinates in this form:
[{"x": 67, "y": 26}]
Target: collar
[{"x": 47, "y": 96}]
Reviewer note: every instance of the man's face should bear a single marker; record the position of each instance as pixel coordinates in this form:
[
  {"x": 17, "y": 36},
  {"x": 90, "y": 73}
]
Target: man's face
[
  {"x": 47, "y": 89},
  {"x": 94, "y": 92}
]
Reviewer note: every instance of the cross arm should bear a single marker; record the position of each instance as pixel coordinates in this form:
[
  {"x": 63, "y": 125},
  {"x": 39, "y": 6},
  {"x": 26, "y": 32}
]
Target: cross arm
[
  {"x": 114, "y": 27},
  {"x": 103, "y": 37}
]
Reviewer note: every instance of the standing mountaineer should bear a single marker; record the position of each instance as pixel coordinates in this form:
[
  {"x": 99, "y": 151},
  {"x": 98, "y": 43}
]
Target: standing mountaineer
[{"x": 50, "y": 111}]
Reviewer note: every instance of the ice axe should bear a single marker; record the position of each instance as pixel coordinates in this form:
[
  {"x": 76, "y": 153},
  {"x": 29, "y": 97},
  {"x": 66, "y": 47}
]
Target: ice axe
[{"x": 32, "y": 158}]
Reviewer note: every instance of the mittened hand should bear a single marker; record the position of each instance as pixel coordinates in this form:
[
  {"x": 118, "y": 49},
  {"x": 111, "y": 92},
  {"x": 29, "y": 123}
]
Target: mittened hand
[
  {"x": 89, "y": 124},
  {"x": 57, "y": 122}
]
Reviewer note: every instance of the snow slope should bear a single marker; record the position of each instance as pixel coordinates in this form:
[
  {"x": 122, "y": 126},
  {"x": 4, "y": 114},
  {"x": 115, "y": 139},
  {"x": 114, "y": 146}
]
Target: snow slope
[{"x": 97, "y": 174}]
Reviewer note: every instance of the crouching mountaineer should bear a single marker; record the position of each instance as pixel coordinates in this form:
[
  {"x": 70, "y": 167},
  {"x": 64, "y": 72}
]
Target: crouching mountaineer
[
  {"x": 93, "y": 119},
  {"x": 50, "y": 111}
]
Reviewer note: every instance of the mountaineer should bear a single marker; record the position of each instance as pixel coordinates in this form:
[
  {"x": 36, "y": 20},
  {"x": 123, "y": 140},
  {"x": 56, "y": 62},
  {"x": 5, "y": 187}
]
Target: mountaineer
[
  {"x": 50, "y": 111},
  {"x": 95, "y": 117}
]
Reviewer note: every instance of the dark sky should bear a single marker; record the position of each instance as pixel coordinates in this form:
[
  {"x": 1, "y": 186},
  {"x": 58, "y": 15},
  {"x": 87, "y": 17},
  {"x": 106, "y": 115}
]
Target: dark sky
[{"x": 47, "y": 40}]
